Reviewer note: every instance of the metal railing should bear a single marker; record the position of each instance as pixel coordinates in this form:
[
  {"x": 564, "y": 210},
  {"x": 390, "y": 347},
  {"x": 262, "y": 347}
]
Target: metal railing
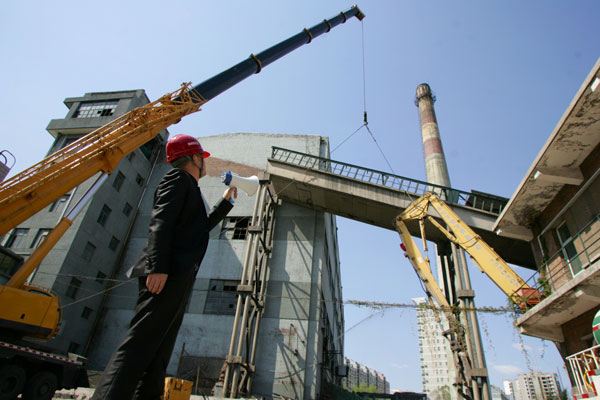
[
  {"x": 581, "y": 364},
  {"x": 560, "y": 268},
  {"x": 475, "y": 200}
]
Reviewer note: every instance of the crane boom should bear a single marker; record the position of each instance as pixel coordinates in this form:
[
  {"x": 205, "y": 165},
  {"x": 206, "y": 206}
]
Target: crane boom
[{"x": 31, "y": 310}]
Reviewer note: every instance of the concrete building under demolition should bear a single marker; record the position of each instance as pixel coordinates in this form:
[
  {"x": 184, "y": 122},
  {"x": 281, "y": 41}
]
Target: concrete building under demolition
[
  {"x": 300, "y": 345},
  {"x": 82, "y": 262}
]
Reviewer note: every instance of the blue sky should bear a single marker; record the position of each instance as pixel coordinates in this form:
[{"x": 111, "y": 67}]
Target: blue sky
[{"x": 503, "y": 73}]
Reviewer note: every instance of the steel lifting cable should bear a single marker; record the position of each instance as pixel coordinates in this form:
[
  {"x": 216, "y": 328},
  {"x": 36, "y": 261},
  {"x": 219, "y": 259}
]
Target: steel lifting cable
[{"x": 365, "y": 123}]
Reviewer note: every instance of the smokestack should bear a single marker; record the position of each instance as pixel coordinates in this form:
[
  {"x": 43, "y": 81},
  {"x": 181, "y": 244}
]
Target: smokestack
[{"x": 435, "y": 161}]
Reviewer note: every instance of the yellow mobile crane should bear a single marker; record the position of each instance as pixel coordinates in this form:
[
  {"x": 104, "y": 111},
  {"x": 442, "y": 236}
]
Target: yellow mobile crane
[
  {"x": 485, "y": 258},
  {"x": 30, "y": 311}
]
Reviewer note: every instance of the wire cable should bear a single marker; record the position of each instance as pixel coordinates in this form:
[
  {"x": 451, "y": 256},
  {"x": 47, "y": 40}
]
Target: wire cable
[{"x": 345, "y": 140}]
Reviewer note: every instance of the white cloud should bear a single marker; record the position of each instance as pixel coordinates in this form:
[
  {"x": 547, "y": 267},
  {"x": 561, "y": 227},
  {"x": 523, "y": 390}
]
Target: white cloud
[
  {"x": 521, "y": 347},
  {"x": 511, "y": 370},
  {"x": 400, "y": 366}
]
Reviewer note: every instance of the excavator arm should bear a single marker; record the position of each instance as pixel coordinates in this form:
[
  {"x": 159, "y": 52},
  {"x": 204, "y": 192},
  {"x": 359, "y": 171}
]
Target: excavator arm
[{"x": 486, "y": 259}]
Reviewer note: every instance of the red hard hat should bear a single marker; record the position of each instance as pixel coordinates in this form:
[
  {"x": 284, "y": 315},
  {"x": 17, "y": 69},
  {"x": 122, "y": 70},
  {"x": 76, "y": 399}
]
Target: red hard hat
[{"x": 184, "y": 145}]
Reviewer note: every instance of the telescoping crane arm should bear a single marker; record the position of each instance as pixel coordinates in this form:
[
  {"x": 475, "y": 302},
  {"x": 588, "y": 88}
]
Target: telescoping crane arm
[
  {"x": 488, "y": 261},
  {"x": 30, "y": 191}
]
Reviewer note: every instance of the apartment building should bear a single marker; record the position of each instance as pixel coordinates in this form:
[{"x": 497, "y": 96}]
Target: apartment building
[
  {"x": 437, "y": 367},
  {"x": 534, "y": 386},
  {"x": 556, "y": 208},
  {"x": 361, "y": 374}
]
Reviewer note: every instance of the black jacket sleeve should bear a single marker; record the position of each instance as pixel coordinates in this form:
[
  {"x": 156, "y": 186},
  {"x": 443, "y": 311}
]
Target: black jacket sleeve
[{"x": 218, "y": 212}]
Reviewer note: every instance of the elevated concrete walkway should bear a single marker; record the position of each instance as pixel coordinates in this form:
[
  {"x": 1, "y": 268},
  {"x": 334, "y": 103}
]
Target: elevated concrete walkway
[{"x": 376, "y": 198}]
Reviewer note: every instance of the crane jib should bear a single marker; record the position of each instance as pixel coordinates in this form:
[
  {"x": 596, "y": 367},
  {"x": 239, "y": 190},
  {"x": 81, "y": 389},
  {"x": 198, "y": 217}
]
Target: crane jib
[{"x": 216, "y": 85}]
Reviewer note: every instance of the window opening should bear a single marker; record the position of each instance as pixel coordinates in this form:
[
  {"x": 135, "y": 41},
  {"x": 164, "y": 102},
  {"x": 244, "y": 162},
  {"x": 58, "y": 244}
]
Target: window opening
[
  {"x": 16, "y": 237},
  {"x": 39, "y": 237},
  {"x": 118, "y": 182},
  {"x": 59, "y": 203},
  {"x": 221, "y": 298},
  {"x": 104, "y": 214},
  {"x": 127, "y": 209},
  {"x": 96, "y": 109},
  {"x": 114, "y": 243},
  {"x": 100, "y": 277},
  {"x": 235, "y": 228},
  {"x": 85, "y": 314},
  {"x": 88, "y": 251},
  {"x": 73, "y": 288},
  {"x": 9, "y": 264}
]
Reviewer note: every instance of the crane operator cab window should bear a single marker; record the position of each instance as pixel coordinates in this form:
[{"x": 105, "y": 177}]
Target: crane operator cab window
[{"x": 9, "y": 264}]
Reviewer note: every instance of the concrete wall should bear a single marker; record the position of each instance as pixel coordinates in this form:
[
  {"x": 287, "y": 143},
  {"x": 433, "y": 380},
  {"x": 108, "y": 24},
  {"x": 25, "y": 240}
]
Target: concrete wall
[{"x": 290, "y": 340}]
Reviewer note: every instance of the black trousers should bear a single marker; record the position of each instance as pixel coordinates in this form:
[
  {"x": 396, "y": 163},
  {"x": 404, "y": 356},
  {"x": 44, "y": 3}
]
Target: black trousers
[{"x": 137, "y": 368}]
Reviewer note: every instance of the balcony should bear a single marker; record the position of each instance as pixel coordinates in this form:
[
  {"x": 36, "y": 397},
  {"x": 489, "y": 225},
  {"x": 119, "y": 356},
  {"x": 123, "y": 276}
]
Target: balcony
[
  {"x": 584, "y": 368},
  {"x": 569, "y": 282}
]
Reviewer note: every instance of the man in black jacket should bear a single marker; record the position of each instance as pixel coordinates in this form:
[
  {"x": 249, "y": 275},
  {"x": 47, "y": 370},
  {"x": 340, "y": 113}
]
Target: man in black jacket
[{"x": 177, "y": 241}]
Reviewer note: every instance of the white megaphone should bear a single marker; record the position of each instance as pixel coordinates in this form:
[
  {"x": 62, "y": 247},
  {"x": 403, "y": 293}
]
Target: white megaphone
[{"x": 249, "y": 184}]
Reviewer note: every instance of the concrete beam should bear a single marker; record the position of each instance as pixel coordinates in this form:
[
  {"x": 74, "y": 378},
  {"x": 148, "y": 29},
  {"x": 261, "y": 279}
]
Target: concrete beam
[
  {"x": 567, "y": 176},
  {"x": 515, "y": 232},
  {"x": 552, "y": 333},
  {"x": 589, "y": 292},
  {"x": 379, "y": 205}
]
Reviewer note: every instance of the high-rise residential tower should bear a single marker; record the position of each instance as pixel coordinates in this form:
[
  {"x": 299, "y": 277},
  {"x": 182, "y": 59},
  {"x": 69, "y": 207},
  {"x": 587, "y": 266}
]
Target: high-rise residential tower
[{"x": 437, "y": 367}]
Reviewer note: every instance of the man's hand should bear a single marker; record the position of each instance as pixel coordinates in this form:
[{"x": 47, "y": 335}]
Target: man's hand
[
  {"x": 232, "y": 191},
  {"x": 156, "y": 282}
]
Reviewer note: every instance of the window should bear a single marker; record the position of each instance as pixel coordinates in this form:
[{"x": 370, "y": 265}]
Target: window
[
  {"x": 96, "y": 109},
  {"x": 39, "y": 237},
  {"x": 88, "y": 251},
  {"x": 222, "y": 297},
  {"x": 139, "y": 180},
  {"x": 127, "y": 209},
  {"x": 73, "y": 347},
  {"x": 100, "y": 277},
  {"x": 104, "y": 214},
  {"x": 73, "y": 288},
  {"x": 568, "y": 248},
  {"x": 235, "y": 228},
  {"x": 58, "y": 203},
  {"x": 85, "y": 314},
  {"x": 16, "y": 237},
  {"x": 118, "y": 182},
  {"x": 114, "y": 243}
]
